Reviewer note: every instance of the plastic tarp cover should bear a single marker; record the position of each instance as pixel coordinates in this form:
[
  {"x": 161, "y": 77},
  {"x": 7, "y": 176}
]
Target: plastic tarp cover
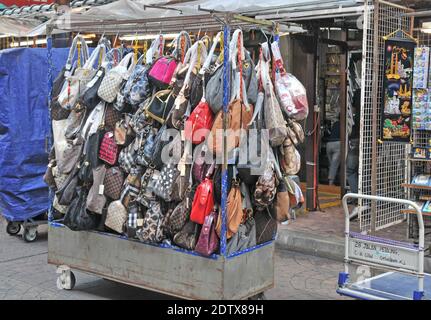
[{"x": 24, "y": 126}]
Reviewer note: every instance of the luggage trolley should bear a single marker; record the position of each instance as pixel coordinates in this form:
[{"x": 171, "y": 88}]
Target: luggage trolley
[{"x": 405, "y": 280}]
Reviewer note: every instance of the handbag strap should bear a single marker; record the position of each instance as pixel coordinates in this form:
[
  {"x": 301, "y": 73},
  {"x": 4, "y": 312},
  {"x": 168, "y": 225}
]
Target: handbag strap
[
  {"x": 83, "y": 52},
  {"x": 155, "y": 50},
  {"x": 206, "y": 65},
  {"x": 196, "y": 52},
  {"x": 98, "y": 53},
  {"x": 278, "y": 59},
  {"x": 182, "y": 44}
]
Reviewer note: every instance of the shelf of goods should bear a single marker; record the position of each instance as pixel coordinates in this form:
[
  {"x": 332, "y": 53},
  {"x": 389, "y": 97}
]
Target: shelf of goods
[{"x": 150, "y": 249}]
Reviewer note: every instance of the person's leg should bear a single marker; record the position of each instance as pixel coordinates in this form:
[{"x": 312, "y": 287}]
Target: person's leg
[
  {"x": 329, "y": 152},
  {"x": 352, "y": 166},
  {"x": 334, "y": 160}
]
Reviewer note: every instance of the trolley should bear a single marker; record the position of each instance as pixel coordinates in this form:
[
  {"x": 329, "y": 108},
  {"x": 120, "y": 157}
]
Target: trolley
[
  {"x": 404, "y": 262},
  {"x": 30, "y": 228}
]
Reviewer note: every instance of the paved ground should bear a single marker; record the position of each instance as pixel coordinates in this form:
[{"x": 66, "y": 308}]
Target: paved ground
[{"x": 25, "y": 274}]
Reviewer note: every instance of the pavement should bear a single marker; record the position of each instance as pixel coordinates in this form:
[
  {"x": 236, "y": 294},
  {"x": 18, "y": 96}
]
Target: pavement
[{"x": 25, "y": 274}]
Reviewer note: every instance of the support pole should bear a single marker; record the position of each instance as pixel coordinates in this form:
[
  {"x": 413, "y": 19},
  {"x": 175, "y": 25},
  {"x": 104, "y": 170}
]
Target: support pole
[
  {"x": 226, "y": 98},
  {"x": 343, "y": 113},
  {"x": 49, "y": 138}
]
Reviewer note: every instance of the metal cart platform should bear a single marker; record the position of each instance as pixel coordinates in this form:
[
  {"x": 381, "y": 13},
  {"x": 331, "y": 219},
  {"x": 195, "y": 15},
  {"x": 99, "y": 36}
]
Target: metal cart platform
[{"x": 405, "y": 280}]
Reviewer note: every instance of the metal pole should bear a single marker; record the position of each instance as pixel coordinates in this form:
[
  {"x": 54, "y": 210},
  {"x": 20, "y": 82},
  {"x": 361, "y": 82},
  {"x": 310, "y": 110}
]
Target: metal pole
[
  {"x": 49, "y": 138},
  {"x": 226, "y": 98}
]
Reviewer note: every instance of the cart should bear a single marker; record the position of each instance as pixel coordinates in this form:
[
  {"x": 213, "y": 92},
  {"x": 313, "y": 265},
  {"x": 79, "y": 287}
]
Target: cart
[
  {"x": 30, "y": 228},
  {"x": 404, "y": 262}
]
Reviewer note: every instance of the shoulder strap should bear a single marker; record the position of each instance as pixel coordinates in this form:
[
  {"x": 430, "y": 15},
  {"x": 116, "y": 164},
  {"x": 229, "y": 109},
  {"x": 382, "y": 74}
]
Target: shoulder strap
[
  {"x": 207, "y": 62},
  {"x": 73, "y": 51}
]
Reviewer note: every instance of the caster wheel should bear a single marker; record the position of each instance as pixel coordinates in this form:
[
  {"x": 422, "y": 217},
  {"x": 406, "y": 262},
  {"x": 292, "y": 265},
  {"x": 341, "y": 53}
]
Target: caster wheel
[
  {"x": 30, "y": 234},
  {"x": 66, "y": 281},
  {"x": 13, "y": 228},
  {"x": 259, "y": 296}
]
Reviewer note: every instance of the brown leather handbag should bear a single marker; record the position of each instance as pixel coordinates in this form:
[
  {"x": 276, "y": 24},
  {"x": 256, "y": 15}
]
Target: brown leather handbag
[
  {"x": 235, "y": 213},
  {"x": 238, "y": 117},
  {"x": 280, "y": 209}
]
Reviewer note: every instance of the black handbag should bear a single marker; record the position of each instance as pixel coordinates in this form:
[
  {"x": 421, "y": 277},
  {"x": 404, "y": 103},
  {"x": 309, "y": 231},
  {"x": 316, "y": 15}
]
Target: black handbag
[
  {"x": 92, "y": 148},
  {"x": 160, "y": 105},
  {"x": 66, "y": 194},
  {"x": 217, "y": 182},
  {"x": 163, "y": 138},
  {"x": 90, "y": 98},
  {"x": 77, "y": 218}
]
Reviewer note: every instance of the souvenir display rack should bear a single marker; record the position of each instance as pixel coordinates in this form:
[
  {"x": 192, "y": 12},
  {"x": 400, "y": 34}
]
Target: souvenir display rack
[{"x": 164, "y": 268}]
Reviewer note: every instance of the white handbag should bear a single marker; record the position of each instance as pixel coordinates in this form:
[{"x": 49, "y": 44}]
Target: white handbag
[
  {"x": 75, "y": 85},
  {"x": 94, "y": 120},
  {"x": 113, "y": 80}
]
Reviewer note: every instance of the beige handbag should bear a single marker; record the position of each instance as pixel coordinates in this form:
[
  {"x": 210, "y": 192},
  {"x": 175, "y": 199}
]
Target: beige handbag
[
  {"x": 290, "y": 158},
  {"x": 116, "y": 217}
]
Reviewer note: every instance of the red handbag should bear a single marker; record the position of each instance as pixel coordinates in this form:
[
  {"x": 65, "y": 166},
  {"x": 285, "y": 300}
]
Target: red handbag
[
  {"x": 108, "y": 151},
  {"x": 203, "y": 202},
  {"x": 199, "y": 124}
]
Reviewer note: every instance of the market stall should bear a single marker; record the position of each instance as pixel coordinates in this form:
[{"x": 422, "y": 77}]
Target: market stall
[{"x": 194, "y": 229}]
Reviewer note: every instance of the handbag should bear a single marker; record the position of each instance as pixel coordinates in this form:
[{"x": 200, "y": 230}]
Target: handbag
[
  {"x": 266, "y": 188},
  {"x": 77, "y": 218},
  {"x": 274, "y": 120},
  {"x": 245, "y": 238},
  {"x": 179, "y": 216},
  {"x": 76, "y": 83},
  {"x": 199, "y": 124},
  {"x": 113, "y": 80},
  {"x": 203, "y": 201},
  {"x": 108, "y": 149},
  {"x": 137, "y": 87},
  {"x": 48, "y": 177},
  {"x": 280, "y": 209},
  {"x": 200, "y": 167},
  {"x": 154, "y": 224},
  {"x": 167, "y": 145},
  {"x": 71, "y": 155},
  {"x": 164, "y": 187},
  {"x": 116, "y": 216},
  {"x": 90, "y": 98},
  {"x": 123, "y": 132},
  {"x": 131, "y": 187},
  {"x": 208, "y": 241},
  {"x": 188, "y": 236},
  {"x": 113, "y": 182},
  {"x": 290, "y": 158},
  {"x": 160, "y": 105},
  {"x": 266, "y": 227},
  {"x": 234, "y": 211},
  {"x": 112, "y": 116},
  {"x": 75, "y": 122},
  {"x": 291, "y": 93},
  {"x": 147, "y": 187},
  {"x": 96, "y": 199},
  {"x": 94, "y": 121},
  {"x": 66, "y": 192},
  {"x": 161, "y": 72}
]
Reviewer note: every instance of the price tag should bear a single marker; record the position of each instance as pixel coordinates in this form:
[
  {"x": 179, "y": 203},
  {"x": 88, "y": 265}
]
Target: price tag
[
  {"x": 140, "y": 222},
  {"x": 101, "y": 189}
]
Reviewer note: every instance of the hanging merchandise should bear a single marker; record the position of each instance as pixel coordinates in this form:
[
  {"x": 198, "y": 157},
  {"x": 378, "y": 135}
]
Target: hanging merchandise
[
  {"x": 208, "y": 241},
  {"x": 114, "y": 79},
  {"x": 274, "y": 120},
  {"x": 203, "y": 201},
  {"x": 76, "y": 83},
  {"x": 155, "y": 51},
  {"x": 291, "y": 93},
  {"x": 159, "y": 105},
  {"x": 137, "y": 88},
  {"x": 421, "y": 67}
]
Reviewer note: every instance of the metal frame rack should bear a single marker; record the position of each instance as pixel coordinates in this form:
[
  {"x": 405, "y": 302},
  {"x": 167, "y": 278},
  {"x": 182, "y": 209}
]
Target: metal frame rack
[{"x": 164, "y": 268}]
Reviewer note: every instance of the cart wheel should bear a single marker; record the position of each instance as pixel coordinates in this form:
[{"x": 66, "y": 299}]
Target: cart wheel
[
  {"x": 66, "y": 280},
  {"x": 30, "y": 234},
  {"x": 259, "y": 296},
  {"x": 13, "y": 228}
]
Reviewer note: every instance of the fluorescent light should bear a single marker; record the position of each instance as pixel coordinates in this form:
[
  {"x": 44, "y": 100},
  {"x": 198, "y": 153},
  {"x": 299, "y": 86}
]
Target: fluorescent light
[
  {"x": 38, "y": 42},
  {"x": 89, "y": 36},
  {"x": 131, "y": 37},
  {"x": 426, "y": 30}
]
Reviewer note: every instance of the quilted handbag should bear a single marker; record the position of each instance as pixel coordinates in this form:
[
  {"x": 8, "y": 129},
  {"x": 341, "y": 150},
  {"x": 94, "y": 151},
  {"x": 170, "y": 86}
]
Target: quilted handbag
[
  {"x": 153, "y": 228},
  {"x": 266, "y": 227},
  {"x": 114, "y": 180},
  {"x": 137, "y": 88},
  {"x": 199, "y": 124},
  {"x": 203, "y": 201},
  {"x": 116, "y": 216},
  {"x": 188, "y": 236},
  {"x": 96, "y": 199},
  {"x": 77, "y": 218},
  {"x": 108, "y": 149},
  {"x": 159, "y": 106},
  {"x": 76, "y": 83},
  {"x": 208, "y": 241},
  {"x": 161, "y": 72},
  {"x": 164, "y": 187},
  {"x": 113, "y": 80}
]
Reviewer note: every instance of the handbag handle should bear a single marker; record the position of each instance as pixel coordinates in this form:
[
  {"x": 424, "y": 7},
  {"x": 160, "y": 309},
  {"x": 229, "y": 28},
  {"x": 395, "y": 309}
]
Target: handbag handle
[
  {"x": 158, "y": 43},
  {"x": 197, "y": 50},
  {"x": 182, "y": 44},
  {"x": 100, "y": 49},
  {"x": 206, "y": 65},
  {"x": 84, "y": 51},
  {"x": 278, "y": 58}
]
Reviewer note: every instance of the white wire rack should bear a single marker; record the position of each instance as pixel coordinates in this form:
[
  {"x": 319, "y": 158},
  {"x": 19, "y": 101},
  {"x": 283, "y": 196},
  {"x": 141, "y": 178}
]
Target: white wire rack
[{"x": 389, "y": 158}]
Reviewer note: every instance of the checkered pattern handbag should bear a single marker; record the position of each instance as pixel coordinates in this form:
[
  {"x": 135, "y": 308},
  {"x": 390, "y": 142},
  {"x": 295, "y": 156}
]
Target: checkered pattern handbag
[
  {"x": 108, "y": 149},
  {"x": 116, "y": 216},
  {"x": 112, "y": 116},
  {"x": 114, "y": 180}
]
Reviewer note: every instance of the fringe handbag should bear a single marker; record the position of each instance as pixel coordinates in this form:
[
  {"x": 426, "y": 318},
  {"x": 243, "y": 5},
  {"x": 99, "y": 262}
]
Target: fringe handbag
[{"x": 113, "y": 80}]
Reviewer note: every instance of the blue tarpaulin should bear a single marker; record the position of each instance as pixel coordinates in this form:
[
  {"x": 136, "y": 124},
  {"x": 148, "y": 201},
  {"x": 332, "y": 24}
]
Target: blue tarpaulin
[{"x": 24, "y": 126}]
